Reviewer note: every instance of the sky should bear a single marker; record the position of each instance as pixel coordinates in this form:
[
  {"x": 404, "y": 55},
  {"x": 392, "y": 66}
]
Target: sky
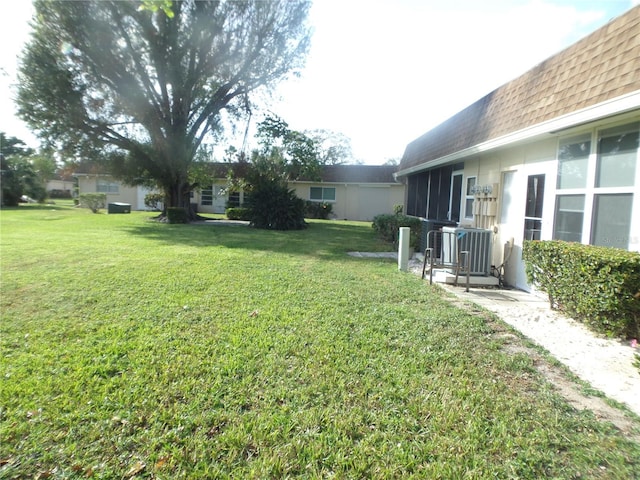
[{"x": 383, "y": 72}]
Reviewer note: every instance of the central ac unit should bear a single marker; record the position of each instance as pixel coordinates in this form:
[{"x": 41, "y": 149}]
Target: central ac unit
[{"x": 474, "y": 240}]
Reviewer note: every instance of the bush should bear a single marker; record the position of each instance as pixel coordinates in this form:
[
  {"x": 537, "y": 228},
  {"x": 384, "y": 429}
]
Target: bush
[
  {"x": 177, "y": 215},
  {"x": 238, "y": 213},
  {"x": 387, "y": 227},
  {"x": 93, "y": 201},
  {"x": 154, "y": 201},
  {"x": 57, "y": 193},
  {"x": 274, "y": 207},
  {"x": 319, "y": 210},
  {"x": 599, "y": 286}
]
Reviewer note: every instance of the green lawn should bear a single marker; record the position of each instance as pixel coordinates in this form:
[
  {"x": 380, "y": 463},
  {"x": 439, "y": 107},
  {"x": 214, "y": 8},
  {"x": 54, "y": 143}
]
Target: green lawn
[{"x": 136, "y": 349}]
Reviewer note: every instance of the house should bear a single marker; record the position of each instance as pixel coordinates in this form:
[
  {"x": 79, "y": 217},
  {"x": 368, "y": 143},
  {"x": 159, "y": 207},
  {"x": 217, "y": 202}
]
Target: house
[
  {"x": 356, "y": 192},
  {"x": 552, "y": 154},
  {"x": 115, "y": 190}
]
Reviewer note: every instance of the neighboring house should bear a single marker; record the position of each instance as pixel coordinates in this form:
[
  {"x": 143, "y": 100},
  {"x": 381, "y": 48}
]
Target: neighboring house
[
  {"x": 355, "y": 192},
  {"x": 552, "y": 154},
  {"x": 60, "y": 186},
  {"x": 115, "y": 190}
]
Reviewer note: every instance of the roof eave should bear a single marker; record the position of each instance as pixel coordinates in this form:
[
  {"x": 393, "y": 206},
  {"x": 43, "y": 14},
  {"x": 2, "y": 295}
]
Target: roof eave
[{"x": 615, "y": 106}]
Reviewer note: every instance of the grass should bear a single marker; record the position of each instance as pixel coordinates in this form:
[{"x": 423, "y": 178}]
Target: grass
[{"x": 137, "y": 349}]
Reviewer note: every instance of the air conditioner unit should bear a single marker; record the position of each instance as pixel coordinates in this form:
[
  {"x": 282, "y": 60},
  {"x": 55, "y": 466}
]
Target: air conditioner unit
[
  {"x": 429, "y": 225},
  {"x": 474, "y": 240}
]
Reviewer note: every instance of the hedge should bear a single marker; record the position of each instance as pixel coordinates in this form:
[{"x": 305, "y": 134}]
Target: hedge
[
  {"x": 238, "y": 213},
  {"x": 177, "y": 215},
  {"x": 387, "y": 226},
  {"x": 320, "y": 210},
  {"x": 599, "y": 286}
]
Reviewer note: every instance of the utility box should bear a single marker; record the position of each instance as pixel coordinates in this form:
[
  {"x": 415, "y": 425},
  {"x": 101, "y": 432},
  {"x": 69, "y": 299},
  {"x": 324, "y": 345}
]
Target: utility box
[{"x": 118, "y": 207}]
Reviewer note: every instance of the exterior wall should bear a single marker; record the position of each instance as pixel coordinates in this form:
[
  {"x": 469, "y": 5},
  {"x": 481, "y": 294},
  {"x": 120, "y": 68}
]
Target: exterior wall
[
  {"x": 218, "y": 201},
  {"x": 126, "y": 194},
  {"x": 63, "y": 185},
  {"x": 355, "y": 201},
  {"x": 509, "y": 172},
  {"x": 506, "y": 206}
]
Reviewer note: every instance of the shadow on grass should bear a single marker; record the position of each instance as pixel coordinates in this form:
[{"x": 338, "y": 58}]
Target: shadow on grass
[
  {"x": 38, "y": 206},
  {"x": 322, "y": 239}
]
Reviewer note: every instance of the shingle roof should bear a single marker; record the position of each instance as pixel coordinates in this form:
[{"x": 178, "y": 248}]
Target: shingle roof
[
  {"x": 600, "y": 67},
  {"x": 358, "y": 173}
]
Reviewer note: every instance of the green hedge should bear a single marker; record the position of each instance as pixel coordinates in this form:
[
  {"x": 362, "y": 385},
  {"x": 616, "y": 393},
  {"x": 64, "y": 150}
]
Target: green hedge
[
  {"x": 320, "y": 210},
  {"x": 177, "y": 215},
  {"x": 238, "y": 213},
  {"x": 387, "y": 227},
  {"x": 599, "y": 286}
]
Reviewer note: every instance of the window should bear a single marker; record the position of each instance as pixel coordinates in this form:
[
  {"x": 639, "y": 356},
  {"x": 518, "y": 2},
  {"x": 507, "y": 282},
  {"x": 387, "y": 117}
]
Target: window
[
  {"x": 573, "y": 160},
  {"x": 469, "y": 197},
  {"x": 617, "y": 157},
  {"x": 206, "y": 196},
  {"x": 322, "y": 194},
  {"x": 569, "y": 218},
  {"x": 595, "y": 189},
  {"x": 234, "y": 199},
  {"x": 611, "y": 220},
  {"x": 533, "y": 209},
  {"x": 106, "y": 186}
]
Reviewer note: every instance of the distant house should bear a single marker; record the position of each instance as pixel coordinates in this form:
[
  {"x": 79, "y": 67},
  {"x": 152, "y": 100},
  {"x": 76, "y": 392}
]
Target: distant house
[
  {"x": 356, "y": 192},
  {"x": 552, "y": 154}
]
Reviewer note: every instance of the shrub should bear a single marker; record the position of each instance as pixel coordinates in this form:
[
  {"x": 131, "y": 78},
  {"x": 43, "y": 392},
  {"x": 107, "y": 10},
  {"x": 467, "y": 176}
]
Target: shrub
[
  {"x": 320, "y": 210},
  {"x": 177, "y": 215},
  {"x": 274, "y": 207},
  {"x": 93, "y": 201},
  {"x": 387, "y": 226},
  {"x": 57, "y": 193},
  {"x": 154, "y": 201},
  {"x": 599, "y": 286},
  {"x": 238, "y": 213}
]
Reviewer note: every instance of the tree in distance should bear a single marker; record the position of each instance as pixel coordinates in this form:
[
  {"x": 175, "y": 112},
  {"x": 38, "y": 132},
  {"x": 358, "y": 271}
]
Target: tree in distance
[{"x": 141, "y": 85}]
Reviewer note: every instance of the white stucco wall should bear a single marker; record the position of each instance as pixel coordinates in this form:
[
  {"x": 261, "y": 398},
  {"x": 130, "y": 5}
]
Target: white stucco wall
[{"x": 357, "y": 201}]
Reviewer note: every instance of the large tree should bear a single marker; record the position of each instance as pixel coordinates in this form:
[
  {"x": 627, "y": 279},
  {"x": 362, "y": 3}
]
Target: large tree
[{"x": 144, "y": 86}]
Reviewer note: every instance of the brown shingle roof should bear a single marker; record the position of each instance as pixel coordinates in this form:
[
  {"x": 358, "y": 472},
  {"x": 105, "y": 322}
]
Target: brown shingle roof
[
  {"x": 601, "y": 66},
  {"x": 357, "y": 174}
]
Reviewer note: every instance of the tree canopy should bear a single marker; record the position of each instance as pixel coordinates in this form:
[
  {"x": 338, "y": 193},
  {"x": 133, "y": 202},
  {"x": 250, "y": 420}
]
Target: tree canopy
[
  {"x": 22, "y": 172},
  {"x": 143, "y": 84}
]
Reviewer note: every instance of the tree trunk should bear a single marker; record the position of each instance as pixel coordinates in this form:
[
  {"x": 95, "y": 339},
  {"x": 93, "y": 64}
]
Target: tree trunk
[{"x": 178, "y": 195}]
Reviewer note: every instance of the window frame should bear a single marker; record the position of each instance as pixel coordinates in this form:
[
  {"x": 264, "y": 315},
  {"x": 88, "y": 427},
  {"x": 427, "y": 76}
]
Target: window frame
[
  {"x": 109, "y": 187},
  {"x": 591, "y": 191},
  {"x": 469, "y": 196},
  {"x": 322, "y": 194}
]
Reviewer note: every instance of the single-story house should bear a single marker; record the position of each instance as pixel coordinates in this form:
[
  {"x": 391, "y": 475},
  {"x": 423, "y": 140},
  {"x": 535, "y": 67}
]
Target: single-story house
[
  {"x": 116, "y": 191},
  {"x": 356, "y": 192},
  {"x": 552, "y": 154}
]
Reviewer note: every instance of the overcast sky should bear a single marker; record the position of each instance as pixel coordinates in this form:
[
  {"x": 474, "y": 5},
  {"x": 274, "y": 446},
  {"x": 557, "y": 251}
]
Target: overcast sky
[{"x": 383, "y": 72}]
